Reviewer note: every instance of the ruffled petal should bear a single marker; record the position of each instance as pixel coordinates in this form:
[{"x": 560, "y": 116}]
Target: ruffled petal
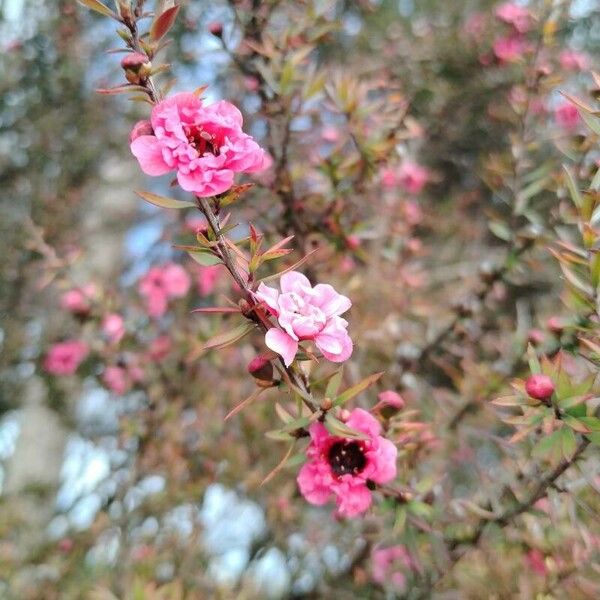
[
  {"x": 294, "y": 282},
  {"x": 279, "y": 341},
  {"x": 147, "y": 149}
]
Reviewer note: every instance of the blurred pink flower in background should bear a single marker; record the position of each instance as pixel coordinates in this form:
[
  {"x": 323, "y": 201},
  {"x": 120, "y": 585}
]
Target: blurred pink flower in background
[
  {"x": 159, "y": 348},
  {"x": 120, "y": 379},
  {"x": 330, "y": 134},
  {"x": 571, "y": 60},
  {"x": 567, "y": 116},
  {"x": 412, "y": 177},
  {"x": 205, "y": 145},
  {"x": 113, "y": 327},
  {"x": 306, "y": 313},
  {"x": 161, "y": 284},
  {"x": 388, "y": 566},
  {"x": 79, "y": 300},
  {"x": 207, "y": 279},
  {"x": 412, "y": 212},
  {"x": 536, "y": 562},
  {"x": 513, "y": 14},
  {"x": 388, "y": 177},
  {"x": 341, "y": 468},
  {"x": 63, "y": 358},
  {"x": 510, "y": 48}
]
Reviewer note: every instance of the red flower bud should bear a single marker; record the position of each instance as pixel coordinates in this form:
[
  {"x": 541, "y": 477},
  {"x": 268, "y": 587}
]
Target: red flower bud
[
  {"x": 216, "y": 28},
  {"x": 137, "y": 67},
  {"x": 539, "y": 387},
  {"x": 261, "y": 369}
]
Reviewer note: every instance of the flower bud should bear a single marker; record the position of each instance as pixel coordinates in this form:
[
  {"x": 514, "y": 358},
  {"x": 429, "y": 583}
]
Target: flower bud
[
  {"x": 555, "y": 325},
  {"x": 539, "y": 387},
  {"x": 391, "y": 399},
  {"x": 261, "y": 369},
  {"x": 137, "y": 67},
  {"x": 216, "y": 28},
  {"x": 140, "y": 128}
]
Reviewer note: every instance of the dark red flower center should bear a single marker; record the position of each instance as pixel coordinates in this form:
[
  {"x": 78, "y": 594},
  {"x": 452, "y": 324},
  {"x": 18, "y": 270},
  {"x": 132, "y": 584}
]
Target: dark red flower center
[
  {"x": 346, "y": 458},
  {"x": 201, "y": 140}
]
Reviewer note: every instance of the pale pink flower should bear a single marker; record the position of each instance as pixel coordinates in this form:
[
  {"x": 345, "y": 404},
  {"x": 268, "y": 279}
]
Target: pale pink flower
[
  {"x": 412, "y": 177},
  {"x": 475, "y": 26},
  {"x": 388, "y": 566},
  {"x": 161, "y": 284},
  {"x": 510, "y": 49},
  {"x": 79, "y": 300},
  {"x": 306, "y": 313},
  {"x": 571, "y": 60},
  {"x": 567, "y": 116},
  {"x": 513, "y": 14},
  {"x": 64, "y": 358},
  {"x": 412, "y": 212},
  {"x": 205, "y": 145},
  {"x": 207, "y": 279},
  {"x": 342, "y": 468},
  {"x": 113, "y": 327}
]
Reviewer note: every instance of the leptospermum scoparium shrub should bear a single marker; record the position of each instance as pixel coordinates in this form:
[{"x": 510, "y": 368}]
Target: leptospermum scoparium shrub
[{"x": 291, "y": 298}]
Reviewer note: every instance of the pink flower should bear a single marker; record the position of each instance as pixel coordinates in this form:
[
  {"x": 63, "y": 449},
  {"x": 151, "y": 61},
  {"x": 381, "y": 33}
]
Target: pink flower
[
  {"x": 412, "y": 177},
  {"x": 515, "y": 15},
  {"x": 161, "y": 284},
  {"x": 159, "y": 348},
  {"x": 342, "y": 467},
  {"x": 510, "y": 49},
  {"x": 204, "y": 144},
  {"x": 567, "y": 116},
  {"x": 536, "y": 562},
  {"x": 120, "y": 379},
  {"x": 207, "y": 279},
  {"x": 330, "y": 134},
  {"x": 64, "y": 358},
  {"x": 388, "y": 178},
  {"x": 306, "y": 313},
  {"x": 78, "y": 300},
  {"x": 571, "y": 60},
  {"x": 113, "y": 327},
  {"x": 388, "y": 566}
]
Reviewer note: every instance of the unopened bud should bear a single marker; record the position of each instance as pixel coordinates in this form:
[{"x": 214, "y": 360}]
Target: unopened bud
[
  {"x": 391, "y": 399},
  {"x": 137, "y": 67},
  {"x": 535, "y": 336},
  {"x": 261, "y": 369},
  {"x": 326, "y": 404},
  {"x": 555, "y": 325},
  {"x": 539, "y": 387},
  {"x": 140, "y": 128},
  {"x": 216, "y": 28}
]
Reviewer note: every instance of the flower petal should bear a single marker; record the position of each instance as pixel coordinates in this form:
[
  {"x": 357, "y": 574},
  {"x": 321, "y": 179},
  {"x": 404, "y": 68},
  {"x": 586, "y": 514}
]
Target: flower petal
[
  {"x": 147, "y": 149},
  {"x": 279, "y": 341},
  {"x": 294, "y": 281}
]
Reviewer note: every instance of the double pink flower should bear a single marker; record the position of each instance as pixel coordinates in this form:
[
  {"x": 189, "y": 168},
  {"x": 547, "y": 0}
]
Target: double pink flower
[
  {"x": 343, "y": 468},
  {"x": 64, "y": 358},
  {"x": 305, "y": 312},
  {"x": 205, "y": 145}
]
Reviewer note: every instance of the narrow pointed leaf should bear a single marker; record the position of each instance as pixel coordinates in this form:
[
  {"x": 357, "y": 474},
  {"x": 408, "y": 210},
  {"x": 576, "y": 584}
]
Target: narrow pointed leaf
[{"x": 164, "y": 202}]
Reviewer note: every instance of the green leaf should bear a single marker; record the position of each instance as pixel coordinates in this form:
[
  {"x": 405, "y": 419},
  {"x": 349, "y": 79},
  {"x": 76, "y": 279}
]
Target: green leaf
[
  {"x": 339, "y": 429},
  {"x": 164, "y": 202},
  {"x": 592, "y": 423},
  {"x": 205, "y": 257},
  {"x": 334, "y": 383},
  {"x": 97, "y": 6},
  {"x": 568, "y": 442},
  {"x": 532, "y": 359},
  {"x": 547, "y": 445},
  {"x": 228, "y": 337},
  {"x": 500, "y": 230},
  {"x": 357, "y": 389},
  {"x": 573, "y": 189}
]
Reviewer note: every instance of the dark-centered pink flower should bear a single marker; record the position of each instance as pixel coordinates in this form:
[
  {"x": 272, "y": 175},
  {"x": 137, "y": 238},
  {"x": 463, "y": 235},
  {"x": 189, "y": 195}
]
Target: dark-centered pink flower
[
  {"x": 205, "y": 145},
  {"x": 305, "y": 312},
  {"x": 342, "y": 468}
]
